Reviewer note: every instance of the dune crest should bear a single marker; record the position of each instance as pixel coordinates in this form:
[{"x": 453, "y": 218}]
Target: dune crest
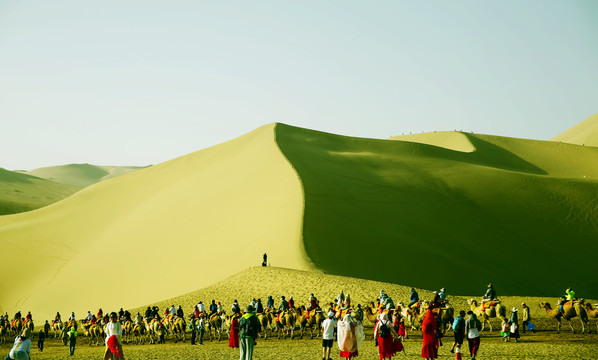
[
  {"x": 452, "y": 140},
  {"x": 584, "y": 133}
]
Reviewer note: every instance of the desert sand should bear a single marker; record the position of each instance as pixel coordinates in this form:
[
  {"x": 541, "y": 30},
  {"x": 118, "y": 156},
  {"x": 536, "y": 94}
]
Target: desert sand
[
  {"x": 80, "y": 174},
  {"x": 454, "y": 210}
]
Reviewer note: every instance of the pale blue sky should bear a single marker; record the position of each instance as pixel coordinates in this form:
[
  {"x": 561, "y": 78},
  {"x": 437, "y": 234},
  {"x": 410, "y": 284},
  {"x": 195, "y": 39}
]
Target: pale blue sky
[{"x": 124, "y": 82}]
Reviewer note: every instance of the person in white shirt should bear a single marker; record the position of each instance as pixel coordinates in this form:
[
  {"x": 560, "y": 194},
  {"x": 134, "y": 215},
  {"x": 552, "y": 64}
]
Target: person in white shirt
[
  {"x": 200, "y": 307},
  {"x": 22, "y": 347},
  {"x": 72, "y": 316},
  {"x": 328, "y": 327},
  {"x": 114, "y": 332},
  {"x": 88, "y": 317},
  {"x": 200, "y": 329},
  {"x": 138, "y": 318},
  {"x": 173, "y": 310}
]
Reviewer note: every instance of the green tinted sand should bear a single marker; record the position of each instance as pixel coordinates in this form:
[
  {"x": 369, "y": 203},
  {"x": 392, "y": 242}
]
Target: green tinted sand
[{"x": 81, "y": 174}]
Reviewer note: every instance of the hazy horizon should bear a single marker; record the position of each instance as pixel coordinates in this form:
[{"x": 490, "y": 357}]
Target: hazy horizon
[{"x": 141, "y": 82}]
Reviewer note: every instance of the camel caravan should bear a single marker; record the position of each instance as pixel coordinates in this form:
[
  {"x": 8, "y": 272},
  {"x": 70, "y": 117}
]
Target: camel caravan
[{"x": 284, "y": 320}]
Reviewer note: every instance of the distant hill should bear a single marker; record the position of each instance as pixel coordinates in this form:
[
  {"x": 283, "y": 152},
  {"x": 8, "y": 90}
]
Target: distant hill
[
  {"x": 81, "y": 175},
  {"x": 21, "y": 192},
  {"x": 453, "y": 210},
  {"x": 584, "y": 133}
]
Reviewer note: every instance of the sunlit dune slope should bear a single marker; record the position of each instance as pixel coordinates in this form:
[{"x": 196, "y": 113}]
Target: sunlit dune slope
[
  {"x": 21, "y": 192},
  {"x": 452, "y": 140},
  {"x": 156, "y": 233},
  {"x": 518, "y": 213},
  {"x": 81, "y": 174},
  {"x": 584, "y": 133}
]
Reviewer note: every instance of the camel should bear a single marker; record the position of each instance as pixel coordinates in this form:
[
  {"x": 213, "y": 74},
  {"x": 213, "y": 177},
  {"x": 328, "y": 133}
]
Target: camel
[
  {"x": 156, "y": 331},
  {"x": 3, "y": 332},
  {"x": 498, "y": 310},
  {"x": 139, "y": 332},
  {"x": 57, "y": 326},
  {"x": 178, "y": 329},
  {"x": 28, "y": 324},
  {"x": 592, "y": 313},
  {"x": 16, "y": 326},
  {"x": 571, "y": 310},
  {"x": 216, "y": 323},
  {"x": 284, "y": 323},
  {"x": 309, "y": 319},
  {"x": 264, "y": 324},
  {"x": 370, "y": 314},
  {"x": 127, "y": 335},
  {"x": 94, "y": 333}
]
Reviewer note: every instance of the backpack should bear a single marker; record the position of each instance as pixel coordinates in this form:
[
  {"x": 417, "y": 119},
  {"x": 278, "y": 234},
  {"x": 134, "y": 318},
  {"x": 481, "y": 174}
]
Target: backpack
[
  {"x": 384, "y": 330},
  {"x": 248, "y": 327}
]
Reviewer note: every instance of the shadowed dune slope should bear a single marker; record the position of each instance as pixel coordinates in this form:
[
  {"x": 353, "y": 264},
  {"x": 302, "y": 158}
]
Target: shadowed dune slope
[
  {"x": 80, "y": 174},
  {"x": 512, "y": 211},
  {"x": 156, "y": 233},
  {"x": 584, "y": 133},
  {"x": 21, "y": 192}
]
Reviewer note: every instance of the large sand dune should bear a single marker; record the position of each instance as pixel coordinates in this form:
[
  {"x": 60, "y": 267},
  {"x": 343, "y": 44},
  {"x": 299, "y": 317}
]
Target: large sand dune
[
  {"x": 584, "y": 133},
  {"x": 22, "y": 192},
  {"x": 80, "y": 174},
  {"x": 157, "y": 232},
  {"x": 453, "y": 210}
]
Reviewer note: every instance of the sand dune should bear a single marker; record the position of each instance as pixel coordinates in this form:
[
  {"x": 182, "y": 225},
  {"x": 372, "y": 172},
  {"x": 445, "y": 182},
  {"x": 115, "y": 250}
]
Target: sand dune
[
  {"x": 21, "y": 192},
  {"x": 457, "y": 210},
  {"x": 584, "y": 133},
  {"x": 157, "y": 232},
  {"x": 80, "y": 174}
]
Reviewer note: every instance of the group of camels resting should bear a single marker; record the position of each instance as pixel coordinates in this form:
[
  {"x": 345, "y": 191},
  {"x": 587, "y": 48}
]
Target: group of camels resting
[{"x": 283, "y": 324}]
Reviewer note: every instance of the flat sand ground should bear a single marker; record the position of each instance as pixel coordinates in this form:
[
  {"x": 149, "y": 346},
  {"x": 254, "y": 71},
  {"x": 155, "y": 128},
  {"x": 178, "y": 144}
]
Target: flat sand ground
[{"x": 541, "y": 345}]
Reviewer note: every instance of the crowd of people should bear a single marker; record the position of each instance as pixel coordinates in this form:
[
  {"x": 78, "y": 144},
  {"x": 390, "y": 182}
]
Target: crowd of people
[{"x": 340, "y": 322}]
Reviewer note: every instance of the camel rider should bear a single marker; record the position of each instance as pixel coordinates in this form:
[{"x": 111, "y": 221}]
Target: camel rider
[
  {"x": 100, "y": 313},
  {"x": 213, "y": 307},
  {"x": 259, "y": 308},
  {"x": 93, "y": 319},
  {"x": 172, "y": 310},
  {"x": 570, "y": 294},
  {"x": 291, "y": 303},
  {"x": 442, "y": 297},
  {"x": 127, "y": 315},
  {"x": 72, "y": 316},
  {"x": 284, "y": 305},
  {"x": 253, "y": 303},
  {"x": 28, "y": 317},
  {"x": 236, "y": 309},
  {"x": 414, "y": 299},
  {"x": 270, "y": 302},
  {"x": 56, "y": 318},
  {"x": 490, "y": 293},
  {"x": 88, "y": 316},
  {"x": 148, "y": 312},
  {"x": 155, "y": 311},
  {"x": 138, "y": 318},
  {"x": 347, "y": 301},
  {"x": 340, "y": 298},
  {"x": 17, "y": 315},
  {"x": 388, "y": 303},
  {"x": 313, "y": 302},
  {"x": 220, "y": 308},
  {"x": 382, "y": 296},
  {"x": 435, "y": 300},
  {"x": 179, "y": 312},
  {"x": 201, "y": 308}
]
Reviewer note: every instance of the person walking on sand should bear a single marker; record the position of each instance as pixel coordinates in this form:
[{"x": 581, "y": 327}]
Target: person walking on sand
[
  {"x": 40, "y": 340},
  {"x": 200, "y": 329},
  {"x": 22, "y": 346},
  {"x": 458, "y": 330},
  {"x": 526, "y": 317},
  {"x": 328, "y": 327},
  {"x": 472, "y": 330},
  {"x": 430, "y": 340},
  {"x": 249, "y": 327},
  {"x": 514, "y": 322},
  {"x": 233, "y": 342},
  {"x": 350, "y": 336},
  {"x": 72, "y": 334},
  {"x": 385, "y": 337},
  {"x": 114, "y": 332}
]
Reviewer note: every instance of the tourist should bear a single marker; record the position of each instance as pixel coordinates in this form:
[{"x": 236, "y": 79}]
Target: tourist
[
  {"x": 514, "y": 322},
  {"x": 458, "y": 330},
  {"x": 526, "y": 317},
  {"x": 248, "y": 332},
  {"x": 200, "y": 329},
  {"x": 22, "y": 346},
  {"x": 430, "y": 340},
  {"x": 328, "y": 327},
  {"x": 472, "y": 330},
  {"x": 385, "y": 335},
  {"x": 350, "y": 336},
  {"x": 114, "y": 332},
  {"x": 233, "y": 342},
  {"x": 72, "y": 334}
]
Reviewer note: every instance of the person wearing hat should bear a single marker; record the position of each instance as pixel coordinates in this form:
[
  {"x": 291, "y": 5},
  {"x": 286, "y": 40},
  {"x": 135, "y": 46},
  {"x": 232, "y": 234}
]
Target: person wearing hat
[
  {"x": 114, "y": 331},
  {"x": 514, "y": 322},
  {"x": 526, "y": 317},
  {"x": 414, "y": 298},
  {"x": 328, "y": 327},
  {"x": 22, "y": 346},
  {"x": 249, "y": 326},
  {"x": 72, "y": 334}
]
